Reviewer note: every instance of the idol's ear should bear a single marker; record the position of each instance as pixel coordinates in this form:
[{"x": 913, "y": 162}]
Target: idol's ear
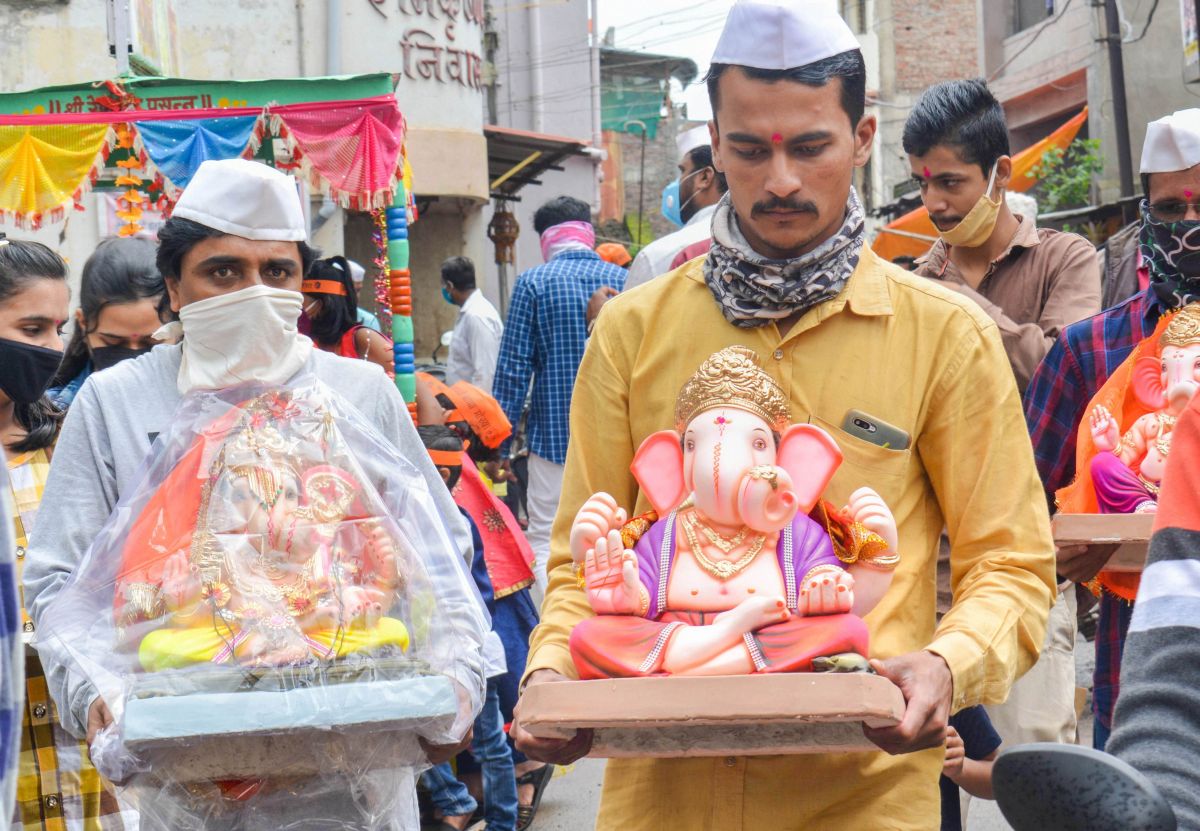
[
  {"x": 1147, "y": 381},
  {"x": 658, "y": 468},
  {"x": 811, "y": 457}
]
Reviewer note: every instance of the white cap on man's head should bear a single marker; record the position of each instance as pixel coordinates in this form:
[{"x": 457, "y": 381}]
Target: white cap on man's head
[
  {"x": 1172, "y": 143},
  {"x": 783, "y": 34},
  {"x": 244, "y": 198},
  {"x": 689, "y": 140}
]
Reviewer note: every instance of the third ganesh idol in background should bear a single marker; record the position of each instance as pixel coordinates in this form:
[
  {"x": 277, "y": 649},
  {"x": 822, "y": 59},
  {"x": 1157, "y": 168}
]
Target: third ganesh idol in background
[{"x": 791, "y": 278}]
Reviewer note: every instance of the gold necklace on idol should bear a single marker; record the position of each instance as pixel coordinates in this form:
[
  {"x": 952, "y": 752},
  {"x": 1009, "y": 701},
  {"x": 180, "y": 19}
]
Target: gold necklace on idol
[{"x": 721, "y": 569}]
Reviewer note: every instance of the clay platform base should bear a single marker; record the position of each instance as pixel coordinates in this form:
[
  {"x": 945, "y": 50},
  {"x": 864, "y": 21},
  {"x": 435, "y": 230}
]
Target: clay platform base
[
  {"x": 1132, "y": 531},
  {"x": 743, "y": 715}
]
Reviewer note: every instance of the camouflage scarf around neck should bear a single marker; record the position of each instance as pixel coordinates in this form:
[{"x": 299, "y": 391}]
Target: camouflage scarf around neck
[{"x": 753, "y": 290}]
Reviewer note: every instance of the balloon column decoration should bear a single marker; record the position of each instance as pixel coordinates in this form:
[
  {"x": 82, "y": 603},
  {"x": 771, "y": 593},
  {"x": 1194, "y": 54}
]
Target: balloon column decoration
[{"x": 400, "y": 298}]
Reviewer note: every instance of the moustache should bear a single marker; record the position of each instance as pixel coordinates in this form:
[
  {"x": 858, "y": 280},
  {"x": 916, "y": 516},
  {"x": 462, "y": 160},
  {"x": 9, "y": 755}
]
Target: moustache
[{"x": 776, "y": 204}]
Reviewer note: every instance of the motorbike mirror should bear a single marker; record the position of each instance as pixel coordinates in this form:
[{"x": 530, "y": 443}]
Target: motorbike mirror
[{"x": 1071, "y": 788}]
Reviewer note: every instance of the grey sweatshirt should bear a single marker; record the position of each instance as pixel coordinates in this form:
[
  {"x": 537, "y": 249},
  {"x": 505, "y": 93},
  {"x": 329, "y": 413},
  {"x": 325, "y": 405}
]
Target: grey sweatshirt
[
  {"x": 108, "y": 432},
  {"x": 1156, "y": 725}
]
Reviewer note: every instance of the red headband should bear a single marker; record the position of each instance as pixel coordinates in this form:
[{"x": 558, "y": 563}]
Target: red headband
[{"x": 323, "y": 287}]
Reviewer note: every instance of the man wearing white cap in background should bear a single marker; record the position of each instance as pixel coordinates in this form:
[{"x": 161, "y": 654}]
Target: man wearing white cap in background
[
  {"x": 232, "y": 255},
  {"x": 1086, "y": 354},
  {"x": 366, "y": 318},
  {"x": 846, "y": 335},
  {"x": 688, "y": 201}
]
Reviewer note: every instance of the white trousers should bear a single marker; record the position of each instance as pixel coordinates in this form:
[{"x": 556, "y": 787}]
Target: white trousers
[
  {"x": 1041, "y": 705},
  {"x": 545, "y": 487}
]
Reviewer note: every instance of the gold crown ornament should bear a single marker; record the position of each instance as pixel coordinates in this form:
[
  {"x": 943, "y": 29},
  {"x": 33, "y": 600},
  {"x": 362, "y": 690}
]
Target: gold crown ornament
[
  {"x": 733, "y": 378},
  {"x": 1184, "y": 328}
]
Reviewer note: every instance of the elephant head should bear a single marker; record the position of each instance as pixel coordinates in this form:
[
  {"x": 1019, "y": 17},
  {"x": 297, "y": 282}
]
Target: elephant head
[
  {"x": 1169, "y": 381},
  {"x": 733, "y": 452}
]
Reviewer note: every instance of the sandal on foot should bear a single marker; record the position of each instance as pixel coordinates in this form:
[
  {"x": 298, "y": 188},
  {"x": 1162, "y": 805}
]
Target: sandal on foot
[{"x": 539, "y": 778}]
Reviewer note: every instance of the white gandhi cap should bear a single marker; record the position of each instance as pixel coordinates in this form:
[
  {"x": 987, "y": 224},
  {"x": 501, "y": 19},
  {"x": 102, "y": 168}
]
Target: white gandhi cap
[
  {"x": 244, "y": 198},
  {"x": 689, "y": 140},
  {"x": 783, "y": 34},
  {"x": 1172, "y": 143}
]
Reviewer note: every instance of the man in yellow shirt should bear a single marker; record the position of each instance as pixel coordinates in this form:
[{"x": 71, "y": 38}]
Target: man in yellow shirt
[{"x": 790, "y": 276}]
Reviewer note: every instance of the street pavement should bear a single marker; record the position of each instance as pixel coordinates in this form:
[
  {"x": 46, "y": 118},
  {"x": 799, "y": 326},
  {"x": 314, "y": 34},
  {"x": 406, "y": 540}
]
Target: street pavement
[{"x": 573, "y": 797}]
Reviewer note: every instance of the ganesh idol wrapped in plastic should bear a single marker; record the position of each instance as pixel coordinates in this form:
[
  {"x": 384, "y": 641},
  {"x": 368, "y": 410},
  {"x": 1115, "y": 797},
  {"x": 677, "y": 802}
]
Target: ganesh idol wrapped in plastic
[{"x": 274, "y": 609}]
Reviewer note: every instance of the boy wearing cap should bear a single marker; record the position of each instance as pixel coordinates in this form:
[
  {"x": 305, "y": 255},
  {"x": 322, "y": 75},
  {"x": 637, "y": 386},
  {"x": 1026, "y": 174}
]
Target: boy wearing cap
[
  {"x": 1085, "y": 354},
  {"x": 790, "y": 276},
  {"x": 232, "y": 256},
  {"x": 688, "y": 201}
]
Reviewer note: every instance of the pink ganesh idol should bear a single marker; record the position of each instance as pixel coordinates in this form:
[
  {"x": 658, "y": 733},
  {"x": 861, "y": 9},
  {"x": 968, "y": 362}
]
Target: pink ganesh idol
[
  {"x": 1127, "y": 470},
  {"x": 746, "y": 571}
]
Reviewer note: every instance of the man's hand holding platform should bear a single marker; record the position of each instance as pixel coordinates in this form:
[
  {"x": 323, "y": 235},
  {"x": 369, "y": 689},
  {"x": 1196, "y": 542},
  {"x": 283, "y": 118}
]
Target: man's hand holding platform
[
  {"x": 928, "y": 687},
  {"x": 552, "y": 751}
]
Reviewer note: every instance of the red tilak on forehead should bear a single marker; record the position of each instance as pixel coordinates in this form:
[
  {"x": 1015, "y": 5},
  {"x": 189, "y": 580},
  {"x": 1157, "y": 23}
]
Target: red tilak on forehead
[
  {"x": 926, "y": 172},
  {"x": 777, "y": 138},
  {"x": 1188, "y": 194}
]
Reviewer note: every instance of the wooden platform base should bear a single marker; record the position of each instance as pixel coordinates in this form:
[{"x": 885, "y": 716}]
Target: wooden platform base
[
  {"x": 739, "y": 715},
  {"x": 1131, "y": 531}
]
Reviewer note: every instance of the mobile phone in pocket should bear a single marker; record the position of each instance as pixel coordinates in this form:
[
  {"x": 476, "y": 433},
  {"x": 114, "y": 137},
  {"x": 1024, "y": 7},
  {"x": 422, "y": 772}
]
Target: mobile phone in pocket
[{"x": 875, "y": 430}]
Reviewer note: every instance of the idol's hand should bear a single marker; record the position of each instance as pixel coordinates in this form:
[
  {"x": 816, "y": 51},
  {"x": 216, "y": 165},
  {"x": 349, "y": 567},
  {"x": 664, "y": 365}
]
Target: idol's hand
[
  {"x": 827, "y": 593},
  {"x": 611, "y": 573},
  {"x": 928, "y": 687},
  {"x": 868, "y": 509},
  {"x": 551, "y": 751},
  {"x": 1105, "y": 433},
  {"x": 595, "y": 519}
]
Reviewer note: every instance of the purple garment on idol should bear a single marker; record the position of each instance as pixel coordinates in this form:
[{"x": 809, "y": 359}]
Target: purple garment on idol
[
  {"x": 1118, "y": 489},
  {"x": 811, "y": 547}
]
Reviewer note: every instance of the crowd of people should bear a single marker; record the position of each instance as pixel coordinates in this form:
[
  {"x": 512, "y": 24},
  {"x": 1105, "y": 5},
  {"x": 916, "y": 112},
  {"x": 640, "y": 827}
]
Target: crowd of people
[{"x": 983, "y": 354}]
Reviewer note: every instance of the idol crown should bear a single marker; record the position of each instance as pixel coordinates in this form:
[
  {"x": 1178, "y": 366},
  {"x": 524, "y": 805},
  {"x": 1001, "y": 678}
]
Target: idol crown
[
  {"x": 732, "y": 378},
  {"x": 1184, "y": 328}
]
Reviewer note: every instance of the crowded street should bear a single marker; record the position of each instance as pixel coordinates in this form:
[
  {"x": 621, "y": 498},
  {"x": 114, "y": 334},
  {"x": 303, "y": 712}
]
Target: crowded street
[{"x": 469, "y": 415}]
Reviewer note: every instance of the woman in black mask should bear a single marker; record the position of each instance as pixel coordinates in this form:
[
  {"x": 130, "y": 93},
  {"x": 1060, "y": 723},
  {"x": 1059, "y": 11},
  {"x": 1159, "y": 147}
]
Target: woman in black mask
[
  {"x": 118, "y": 313},
  {"x": 33, "y": 309}
]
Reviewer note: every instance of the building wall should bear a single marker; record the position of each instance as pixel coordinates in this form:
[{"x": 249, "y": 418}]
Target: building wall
[{"x": 544, "y": 85}]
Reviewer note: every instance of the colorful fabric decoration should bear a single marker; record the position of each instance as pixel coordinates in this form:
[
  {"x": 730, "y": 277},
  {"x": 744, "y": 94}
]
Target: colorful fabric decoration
[
  {"x": 44, "y": 167},
  {"x": 354, "y": 147},
  {"x": 178, "y": 148}
]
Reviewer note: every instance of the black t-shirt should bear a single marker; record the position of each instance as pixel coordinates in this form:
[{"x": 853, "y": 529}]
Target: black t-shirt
[{"x": 980, "y": 740}]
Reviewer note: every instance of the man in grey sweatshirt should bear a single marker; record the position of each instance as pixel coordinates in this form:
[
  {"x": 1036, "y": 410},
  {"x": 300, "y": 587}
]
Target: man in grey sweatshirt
[{"x": 233, "y": 257}]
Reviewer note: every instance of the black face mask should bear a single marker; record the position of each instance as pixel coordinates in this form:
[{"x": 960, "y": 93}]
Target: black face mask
[
  {"x": 105, "y": 356},
  {"x": 26, "y": 370}
]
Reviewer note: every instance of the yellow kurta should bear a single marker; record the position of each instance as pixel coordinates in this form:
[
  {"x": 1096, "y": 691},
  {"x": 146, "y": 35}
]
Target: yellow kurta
[{"x": 902, "y": 349}]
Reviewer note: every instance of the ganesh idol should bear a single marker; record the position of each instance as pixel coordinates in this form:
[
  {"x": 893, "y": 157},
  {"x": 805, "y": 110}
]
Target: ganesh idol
[
  {"x": 740, "y": 568},
  {"x": 258, "y": 551},
  {"x": 1127, "y": 468}
]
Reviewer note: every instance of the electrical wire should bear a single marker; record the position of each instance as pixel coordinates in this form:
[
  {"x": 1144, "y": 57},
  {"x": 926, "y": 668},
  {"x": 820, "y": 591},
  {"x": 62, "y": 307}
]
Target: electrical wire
[{"x": 1149, "y": 20}]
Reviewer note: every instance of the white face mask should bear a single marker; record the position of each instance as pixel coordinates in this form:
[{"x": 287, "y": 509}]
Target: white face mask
[{"x": 246, "y": 335}]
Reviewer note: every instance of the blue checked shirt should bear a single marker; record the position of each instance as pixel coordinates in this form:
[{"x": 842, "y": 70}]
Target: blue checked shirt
[{"x": 543, "y": 342}]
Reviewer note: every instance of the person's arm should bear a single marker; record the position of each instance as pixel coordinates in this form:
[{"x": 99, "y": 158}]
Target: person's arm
[
  {"x": 976, "y": 776},
  {"x": 514, "y": 365},
  {"x": 485, "y": 350},
  {"x": 1154, "y": 726},
  {"x": 80, "y": 493},
  {"x": 976, "y": 452},
  {"x": 12, "y": 658},
  {"x": 1074, "y": 294},
  {"x": 640, "y": 270},
  {"x": 375, "y": 348}
]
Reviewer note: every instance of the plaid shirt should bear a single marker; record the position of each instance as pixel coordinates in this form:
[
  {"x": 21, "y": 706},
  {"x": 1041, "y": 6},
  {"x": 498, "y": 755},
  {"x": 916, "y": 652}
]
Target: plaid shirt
[
  {"x": 543, "y": 342},
  {"x": 1078, "y": 364},
  {"x": 57, "y": 787}
]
